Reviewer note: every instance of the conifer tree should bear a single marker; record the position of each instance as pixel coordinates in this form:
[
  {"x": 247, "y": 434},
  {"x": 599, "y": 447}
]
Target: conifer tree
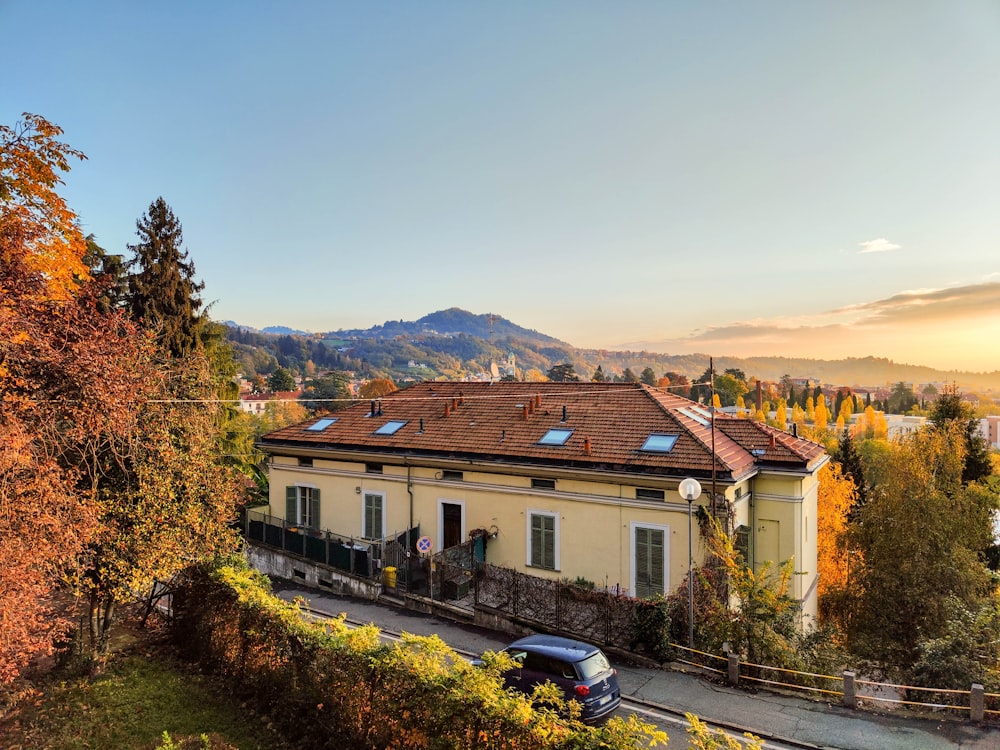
[
  {"x": 162, "y": 292},
  {"x": 852, "y": 468},
  {"x": 563, "y": 373},
  {"x": 949, "y": 408}
]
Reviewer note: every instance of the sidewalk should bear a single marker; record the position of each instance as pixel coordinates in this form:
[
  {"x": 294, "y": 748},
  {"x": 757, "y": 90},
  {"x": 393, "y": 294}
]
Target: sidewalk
[{"x": 763, "y": 713}]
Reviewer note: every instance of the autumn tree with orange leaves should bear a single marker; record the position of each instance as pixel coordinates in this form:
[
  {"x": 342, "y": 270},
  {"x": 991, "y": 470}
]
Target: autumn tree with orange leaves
[
  {"x": 37, "y": 229},
  {"x": 376, "y": 388},
  {"x": 70, "y": 385},
  {"x": 834, "y": 503},
  {"x": 104, "y": 482}
]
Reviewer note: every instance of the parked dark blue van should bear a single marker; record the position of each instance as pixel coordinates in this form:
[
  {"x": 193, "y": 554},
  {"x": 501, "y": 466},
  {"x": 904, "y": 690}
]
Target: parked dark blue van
[{"x": 580, "y": 669}]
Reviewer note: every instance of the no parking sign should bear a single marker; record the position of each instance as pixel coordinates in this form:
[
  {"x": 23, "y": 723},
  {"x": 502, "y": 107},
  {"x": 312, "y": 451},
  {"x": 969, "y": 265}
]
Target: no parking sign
[{"x": 424, "y": 545}]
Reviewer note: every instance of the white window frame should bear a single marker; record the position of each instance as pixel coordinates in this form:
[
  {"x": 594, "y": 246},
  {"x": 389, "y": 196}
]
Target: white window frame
[
  {"x": 302, "y": 506},
  {"x": 364, "y": 499},
  {"x": 555, "y": 538},
  {"x": 440, "y": 514},
  {"x": 666, "y": 553}
]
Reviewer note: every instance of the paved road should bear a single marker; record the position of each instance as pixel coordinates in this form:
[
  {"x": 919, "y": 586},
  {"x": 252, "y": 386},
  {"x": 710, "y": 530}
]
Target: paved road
[{"x": 782, "y": 718}]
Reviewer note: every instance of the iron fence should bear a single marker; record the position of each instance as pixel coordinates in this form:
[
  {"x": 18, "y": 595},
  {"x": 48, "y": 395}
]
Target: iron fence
[
  {"x": 598, "y": 616},
  {"x": 361, "y": 557}
]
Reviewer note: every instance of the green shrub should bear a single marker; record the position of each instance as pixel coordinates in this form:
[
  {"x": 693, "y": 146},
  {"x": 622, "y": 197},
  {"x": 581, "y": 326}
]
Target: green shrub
[{"x": 330, "y": 686}]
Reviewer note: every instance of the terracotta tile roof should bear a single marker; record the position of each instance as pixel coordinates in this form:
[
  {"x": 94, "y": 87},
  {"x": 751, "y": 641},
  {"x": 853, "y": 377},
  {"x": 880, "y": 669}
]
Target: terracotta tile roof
[{"x": 503, "y": 422}]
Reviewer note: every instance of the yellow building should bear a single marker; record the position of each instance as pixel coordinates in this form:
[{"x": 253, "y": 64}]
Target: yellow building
[{"x": 573, "y": 480}]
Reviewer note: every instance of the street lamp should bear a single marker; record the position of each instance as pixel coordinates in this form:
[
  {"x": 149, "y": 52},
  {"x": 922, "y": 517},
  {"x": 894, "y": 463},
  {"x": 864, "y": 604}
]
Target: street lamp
[{"x": 690, "y": 490}]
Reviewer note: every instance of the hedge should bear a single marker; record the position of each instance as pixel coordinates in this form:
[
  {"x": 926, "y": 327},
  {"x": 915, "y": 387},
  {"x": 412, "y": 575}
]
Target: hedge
[{"x": 325, "y": 685}]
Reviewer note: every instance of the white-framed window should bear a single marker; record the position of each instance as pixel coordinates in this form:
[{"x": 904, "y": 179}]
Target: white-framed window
[
  {"x": 373, "y": 515},
  {"x": 650, "y": 571},
  {"x": 302, "y": 505},
  {"x": 543, "y": 539}
]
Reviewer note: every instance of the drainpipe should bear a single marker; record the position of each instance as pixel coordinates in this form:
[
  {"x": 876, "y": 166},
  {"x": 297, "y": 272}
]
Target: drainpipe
[{"x": 409, "y": 491}]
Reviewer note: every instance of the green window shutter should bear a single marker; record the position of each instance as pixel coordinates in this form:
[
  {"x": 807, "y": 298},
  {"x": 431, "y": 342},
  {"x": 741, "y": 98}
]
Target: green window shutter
[
  {"x": 656, "y": 571},
  {"x": 543, "y": 541},
  {"x": 549, "y": 545},
  {"x": 373, "y": 517},
  {"x": 648, "y": 562},
  {"x": 291, "y": 501},
  {"x": 641, "y": 563},
  {"x": 314, "y": 508},
  {"x": 536, "y": 540}
]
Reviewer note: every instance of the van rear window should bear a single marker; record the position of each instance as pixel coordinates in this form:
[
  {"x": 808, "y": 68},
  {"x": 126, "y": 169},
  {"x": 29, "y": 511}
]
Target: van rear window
[{"x": 595, "y": 664}]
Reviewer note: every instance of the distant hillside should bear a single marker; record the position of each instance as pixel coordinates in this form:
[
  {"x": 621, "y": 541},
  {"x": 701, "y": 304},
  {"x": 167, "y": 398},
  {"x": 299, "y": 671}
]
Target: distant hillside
[
  {"x": 452, "y": 322},
  {"x": 455, "y": 343},
  {"x": 277, "y": 330}
]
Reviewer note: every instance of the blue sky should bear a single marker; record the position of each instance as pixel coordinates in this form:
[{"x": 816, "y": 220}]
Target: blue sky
[{"x": 771, "y": 178}]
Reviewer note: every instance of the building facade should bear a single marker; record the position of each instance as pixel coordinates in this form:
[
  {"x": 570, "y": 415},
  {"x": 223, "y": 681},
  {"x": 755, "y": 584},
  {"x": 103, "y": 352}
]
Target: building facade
[{"x": 570, "y": 480}]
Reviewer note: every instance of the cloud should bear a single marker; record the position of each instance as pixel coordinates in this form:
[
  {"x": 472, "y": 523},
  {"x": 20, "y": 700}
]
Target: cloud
[
  {"x": 908, "y": 315},
  {"x": 930, "y": 305},
  {"x": 878, "y": 245}
]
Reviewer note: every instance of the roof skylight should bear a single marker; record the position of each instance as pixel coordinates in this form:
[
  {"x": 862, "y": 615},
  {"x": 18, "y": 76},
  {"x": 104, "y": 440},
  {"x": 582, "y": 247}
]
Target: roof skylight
[
  {"x": 695, "y": 414},
  {"x": 555, "y": 437},
  {"x": 321, "y": 425},
  {"x": 659, "y": 443},
  {"x": 390, "y": 428}
]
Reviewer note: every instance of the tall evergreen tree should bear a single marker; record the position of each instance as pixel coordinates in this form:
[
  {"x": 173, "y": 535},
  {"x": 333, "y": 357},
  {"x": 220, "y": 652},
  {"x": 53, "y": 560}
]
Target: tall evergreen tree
[
  {"x": 162, "y": 292},
  {"x": 853, "y": 468},
  {"x": 648, "y": 376},
  {"x": 599, "y": 376},
  {"x": 950, "y": 408},
  {"x": 281, "y": 380}
]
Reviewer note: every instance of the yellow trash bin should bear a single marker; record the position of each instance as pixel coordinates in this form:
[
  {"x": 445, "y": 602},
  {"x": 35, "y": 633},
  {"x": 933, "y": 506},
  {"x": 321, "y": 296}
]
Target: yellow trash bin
[{"x": 389, "y": 577}]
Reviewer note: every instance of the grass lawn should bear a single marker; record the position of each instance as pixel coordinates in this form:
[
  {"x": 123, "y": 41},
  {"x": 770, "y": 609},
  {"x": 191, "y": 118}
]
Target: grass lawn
[{"x": 143, "y": 692}]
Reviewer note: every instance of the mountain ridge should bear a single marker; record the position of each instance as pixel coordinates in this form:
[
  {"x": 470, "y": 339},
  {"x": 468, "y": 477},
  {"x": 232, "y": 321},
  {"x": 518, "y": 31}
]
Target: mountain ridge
[{"x": 450, "y": 341}]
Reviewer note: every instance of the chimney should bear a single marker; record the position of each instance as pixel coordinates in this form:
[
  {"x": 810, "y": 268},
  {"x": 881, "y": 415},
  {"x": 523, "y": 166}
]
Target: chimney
[
  {"x": 379, "y": 407},
  {"x": 447, "y": 410},
  {"x": 531, "y": 407},
  {"x": 538, "y": 400},
  {"x": 586, "y": 446},
  {"x": 564, "y": 413},
  {"x": 503, "y": 435},
  {"x": 454, "y": 404},
  {"x": 774, "y": 440},
  {"x": 461, "y": 398},
  {"x": 795, "y": 429},
  {"x": 421, "y": 424},
  {"x": 373, "y": 408},
  {"x": 524, "y": 412}
]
